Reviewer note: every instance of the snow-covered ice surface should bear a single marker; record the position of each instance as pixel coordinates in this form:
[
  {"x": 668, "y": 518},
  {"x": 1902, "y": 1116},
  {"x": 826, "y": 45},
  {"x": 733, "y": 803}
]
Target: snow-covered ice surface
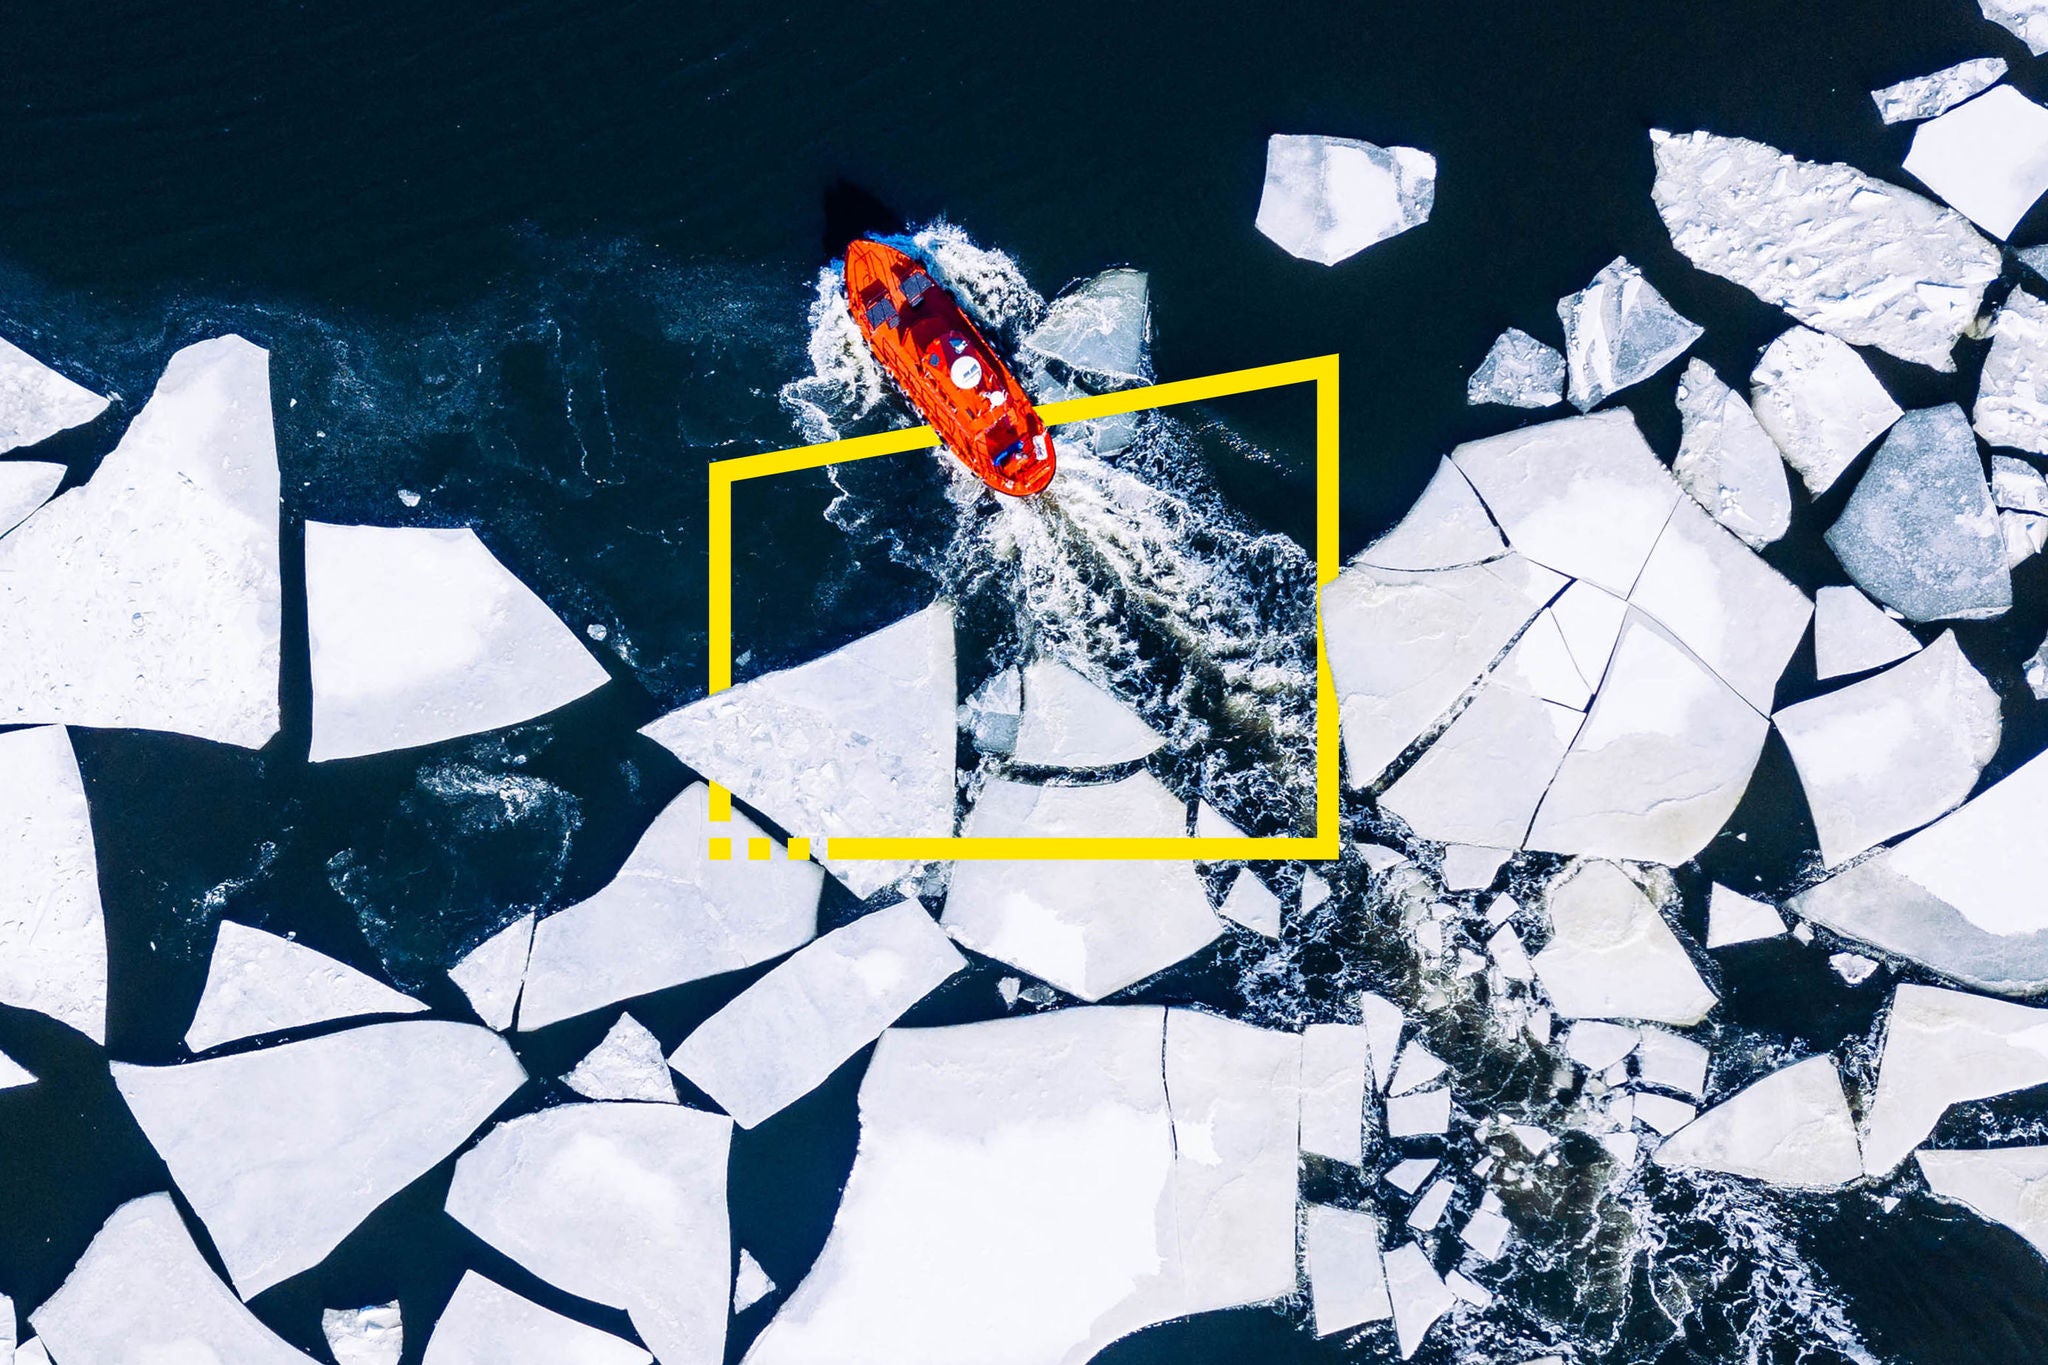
[
  {"x": 1867, "y": 261},
  {"x": 419, "y": 635},
  {"x": 1612, "y": 956},
  {"x": 1518, "y": 372},
  {"x": 149, "y": 597},
  {"x": 2027, "y": 20},
  {"x": 1446, "y": 528},
  {"x": 1071, "y": 722},
  {"x": 25, "y": 485},
  {"x": 1735, "y": 918},
  {"x": 36, "y": 402},
  {"x": 261, "y": 983},
  {"x": 2008, "y": 1185},
  {"x": 2012, "y": 390},
  {"x": 627, "y": 1065},
  {"x": 1922, "y": 97},
  {"x": 1328, "y": 198},
  {"x": 1347, "y": 1285},
  {"x": 492, "y": 973},
  {"x": 1727, "y": 461},
  {"x": 53, "y": 938},
  {"x": 1793, "y": 1127},
  {"x": 1943, "y": 1047},
  {"x": 487, "y": 1324},
  {"x": 1619, "y": 331},
  {"x": 1988, "y": 158},
  {"x": 1817, "y": 399},
  {"x": 1335, "y": 1059},
  {"x": 1850, "y": 635},
  {"x": 373, "y": 1335}
]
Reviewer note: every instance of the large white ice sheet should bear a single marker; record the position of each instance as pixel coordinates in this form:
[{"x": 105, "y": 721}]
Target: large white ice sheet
[
  {"x": 1612, "y": 956},
  {"x": 2008, "y": 1185},
  {"x": 1988, "y": 158},
  {"x": 149, "y": 598},
  {"x": 1347, "y": 1284},
  {"x": 1327, "y": 198},
  {"x": 1070, "y": 722},
  {"x": 1942, "y": 1048},
  {"x": 1791, "y": 1128},
  {"x": 261, "y": 983},
  {"x": 53, "y": 937}
]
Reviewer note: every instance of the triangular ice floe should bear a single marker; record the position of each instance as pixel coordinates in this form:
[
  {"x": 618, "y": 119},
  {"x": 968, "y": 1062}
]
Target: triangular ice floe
[
  {"x": 1850, "y": 635},
  {"x": 1728, "y": 462},
  {"x": 1790, "y": 1128},
  {"x": 261, "y": 983},
  {"x": 486, "y": 1324},
  {"x": 1446, "y": 527},
  {"x": 2008, "y": 1185},
  {"x": 491, "y": 973},
  {"x": 1383, "y": 1023},
  {"x": 750, "y": 1284},
  {"x": 1518, "y": 371},
  {"x": 627, "y": 1065},
  {"x": 1071, "y": 722},
  {"x": 1251, "y": 902},
  {"x": 1943, "y": 1047},
  {"x": 1612, "y": 956},
  {"x": 53, "y": 939},
  {"x": 36, "y": 402},
  {"x": 13, "y": 1074},
  {"x": 1619, "y": 331},
  {"x": 1735, "y": 918}
]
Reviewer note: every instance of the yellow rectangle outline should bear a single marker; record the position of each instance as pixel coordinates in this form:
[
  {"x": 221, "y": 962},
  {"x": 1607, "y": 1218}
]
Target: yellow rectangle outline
[{"x": 1323, "y": 845}]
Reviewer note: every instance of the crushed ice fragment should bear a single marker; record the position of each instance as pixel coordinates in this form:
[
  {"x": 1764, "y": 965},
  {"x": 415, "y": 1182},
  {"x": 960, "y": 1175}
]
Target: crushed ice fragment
[
  {"x": 2008, "y": 1185},
  {"x": 1347, "y": 1285},
  {"x": 2025, "y": 19},
  {"x": 781, "y": 1037},
  {"x": 1419, "y": 1297},
  {"x": 626, "y": 1065},
  {"x": 1791, "y": 1128},
  {"x": 258, "y": 982},
  {"x": 1727, "y": 462},
  {"x": 1988, "y": 158},
  {"x": 1850, "y": 635},
  {"x": 1519, "y": 371},
  {"x": 1327, "y": 198},
  {"x": 1424, "y": 1113},
  {"x": 1418, "y": 1066},
  {"x": 1314, "y": 891},
  {"x": 1071, "y": 722},
  {"x": 1486, "y": 1232},
  {"x": 1468, "y": 1289},
  {"x": 1818, "y": 400},
  {"x": 1665, "y": 1059},
  {"x": 1407, "y": 1176},
  {"x": 1334, "y": 1061},
  {"x": 1099, "y": 328},
  {"x": 1853, "y": 968},
  {"x": 1446, "y": 528},
  {"x": 1943, "y": 1047},
  {"x": 486, "y": 1324},
  {"x": 1383, "y": 1022},
  {"x": 1467, "y": 867},
  {"x": 1663, "y": 1113},
  {"x": 1509, "y": 954},
  {"x": 2012, "y": 391},
  {"x": 991, "y": 715},
  {"x": 1612, "y": 956},
  {"x": 1211, "y": 823},
  {"x": 13, "y": 1074},
  {"x": 1429, "y": 1210},
  {"x": 491, "y": 973},
  {"x": 1251, "y": 903},
  {"x": 751, "y": 1284},
  {"x": 364, "y": 1336},
  {"x": 1867, "y": 261},
  {"x": 1619, "y": 331},
  {"x": 1735, "y": 918},
  {"x": 2026, "y": 535},
  {"x": 1920, "y": 532},
  {"x": 1481, "y": 780},
  {"x": 1597, "y": 1046},
  {"x": 36, "y": 402},
  {"x": 1890, "y": 753},
  {"x": 53, "y": 937},
  {"x": 1937, "y": 92}
]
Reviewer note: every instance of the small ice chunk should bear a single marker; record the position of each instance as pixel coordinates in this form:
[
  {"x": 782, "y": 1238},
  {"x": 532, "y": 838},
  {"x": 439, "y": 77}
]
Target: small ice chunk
[
  {"x": 1943, "y": 1047},
  {"x": 1890, "y": 753},
  {"x": 1541, "y": 665},
  {"x": 1383, "y": 1024},
  {"x": 364, "y": 1336},
  {"x": 1418, "y": 1067},
  {"x": 2017, "y": 485},
  {"x": 1334, "y": 1060},
  {"x": 1467, "y": 867},
  {"x": 1612, "y": 956},
  {"x": 1346, "y": 1282},
  {"x": 1988, "y": 158},
  {"x": 1089, "y": 928},
  {"x": 1314, "y": 891},
  {"x": 1502, "y": 909},
  {"x": 149, "y": 597},
  {"x": 13, "y": 1074},
  {"x": 491, "y": 973},
  {"x": 261, "y": 983},
  {"x": 785, "y": 1034},
  {"x": 991, "y": 715},
  {"x": 1727, "y": 461},
  {"x": 420, "y": 635},
  {"x": 2012, "y": 392},
  {"x": 1803, "y": 933},
  {"x": 283, "y": 1151},
  {"x": 1535, "y": 1140},
  {"x": 1509, "y": 954},
  {"x": 1419, "y": 1297},
  {"x": 2025, "y": 19},
  {"x": 1211, "y": 823},
  {"x": 1790, "y": 1128},
  {"x": 1446, "y": 528},
  {"x": 25, "y": 485},
  {"x": 1425, "y": 1113},
  {"x": 485, "y": 1324},
  {"x": 1327, "y": 198},
  {"x": 1379, "y": 858},
  {"x": 1519, "y": 371},
  {"x": 1661, "y": 762},
  {"x": 143, "y": 1293},
  {"x": 1404, "y": 647},
  {"x": 1429, "y": 1210},
  {"x": 1407, "y": 1176},
  {"x": 1850, "y": 635},
  {"x": 1853, "y": 968},
  {"x": 622, "y": 1204},
  {"x": 36, "y": 402},
  {"x": 1665, "y": 1059},
  {"x": 1663, "y": 1113},
  {"x": 1252, "y": 903},
  {"x": 751, "y": 1284},
  {"x": 1070, "y": 722},
  {"x": 2008, "y": 1185},
  {"x": 1597, "y": 1046},
  {"x": 1585, "y": 496},
  {"x": 673, "y": 914},
  {"x": 1590, "y": 619},
  {"x": 1856, "y": 257},
  {"x": 1468, "y": 1289},
  {"x": 859, "y": 741},
  {"x": 53, "y": 937},
  {"x": 1480, "y": 782},
  {"x": 626, "y": 1065},
  {"x": 1735, "y": 918},
  {"x": 1486, "y": 1232},
  {"x": 1923, "y": 97},
  {"x": 1100, "y": 328},
  {"x": 1817, "y": 399},
  {"x": 1920, "y": 532},
  {"x": 2025, "y": 535},
  {"x": 1619, "y": 331}
]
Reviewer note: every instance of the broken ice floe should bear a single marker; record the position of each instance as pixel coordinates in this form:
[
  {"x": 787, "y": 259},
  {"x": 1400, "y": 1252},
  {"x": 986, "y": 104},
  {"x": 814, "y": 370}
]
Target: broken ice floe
[
  {"x": 1988, "y": 158},
  {"x": 2008, "y": 1185},
  {"x": 1347, "y": 1286},
  {"x": 750, "y": 1283},
  {"x": 1597, "y": 1046},
  {"x": 1818, "y": 400},
  {"x": 1099, "y": 329},
  {"x": 1429, "y": 1209},
  {"x": 782, "y": 1036},
  {"x": 2012, "y": 391},
  {"x": 1419, "y": 1296},
  {"x": 1417, "y": 1066},
  {"x": 1728, "y": 462},
  {"x": 1335, "y": 1059},
  {"x": 1619, "y": 331},
  {"x": 626, "y": 1065},
  {"x": 1383, "y": 1024},
  {"x": 1089, "y": 928},
  {"x": 1421, "y": 1113},
  {"x": 364, "y": 1336},
  {"x": 53, "y": 937},
  {"x": 1327, "y": 198},
  {"x": 491, "y": 973},
  {"x": 1469, "y": 868},
  {"x": 420, "y": 635},
  {"x": 860, "y": 741},
  {"x": 260, "y": 983},
  {"x": 673, "y": 914},
  {"x": 1612, "y": 956},
  {"x": 1867, "y": 261},
  {"x": 1937, "y": 92},
  {"x": 36, "y": 402},
  {"x": 1446, "y": 528},
  {"x": 1481, "y": 780},
  {"x": 1853, "y": 968},
  {"x": 1941, "y": 1048},
  {"x": 1407, "y": 1175},
  {"x": 1069, "y": 721},
  {"x": 283, "y": 1151},
  {"x": 13, "y": 1075},
  {"x": 486, "y": 1324},
  {"x": 1890, "y": 753},
  {"x": 1665, "y": 1059},
  {"x": 25, "y": 485},
  {"x": 2025, "y": 19},
  {"x": 1518, "y": 371},
  {"x": 622, "y": 1204},
  {"x": 2017, "y": 485},
  {"x": 1793, "y": 1128},
  {"x": 1142, "y": 1184},
  {"x": 149, "y": 597},
  {"x": 1251, "y": 902},
  {"x": 142, "y": 1292},
  {"x": 2025, "y": 536},
  {"x": 1850, "y": 635},
  {"x": 1920, "y": 532}
]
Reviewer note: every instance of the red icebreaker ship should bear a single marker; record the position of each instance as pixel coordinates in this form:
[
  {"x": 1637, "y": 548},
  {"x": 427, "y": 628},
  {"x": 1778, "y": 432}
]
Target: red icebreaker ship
[{"x": 948, "y": 370}]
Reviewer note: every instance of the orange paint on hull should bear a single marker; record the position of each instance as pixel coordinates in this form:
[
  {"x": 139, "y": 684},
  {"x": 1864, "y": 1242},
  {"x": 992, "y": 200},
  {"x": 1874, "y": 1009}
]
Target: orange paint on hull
[{"x": 950, "y": 373}]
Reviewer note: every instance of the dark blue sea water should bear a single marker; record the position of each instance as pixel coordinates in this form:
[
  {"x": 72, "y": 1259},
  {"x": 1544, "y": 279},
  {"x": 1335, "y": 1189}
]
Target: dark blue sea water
[{"x": 538, "y": 263}]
